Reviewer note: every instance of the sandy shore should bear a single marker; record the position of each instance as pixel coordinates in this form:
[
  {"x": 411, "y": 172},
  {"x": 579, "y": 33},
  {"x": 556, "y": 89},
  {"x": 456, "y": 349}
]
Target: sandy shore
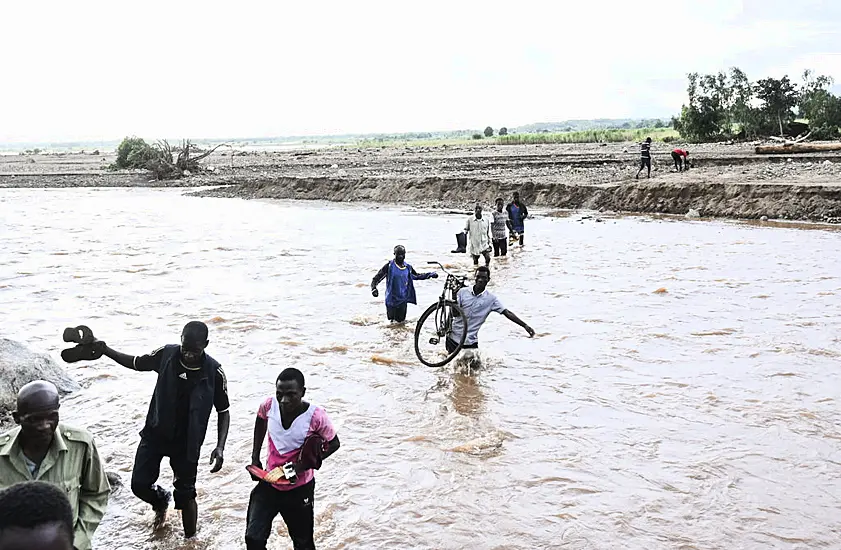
[{"x": 728, "y": 180}]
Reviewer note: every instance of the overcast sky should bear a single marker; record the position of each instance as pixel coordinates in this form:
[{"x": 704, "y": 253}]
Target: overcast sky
[{"x": 101, "y": 70}]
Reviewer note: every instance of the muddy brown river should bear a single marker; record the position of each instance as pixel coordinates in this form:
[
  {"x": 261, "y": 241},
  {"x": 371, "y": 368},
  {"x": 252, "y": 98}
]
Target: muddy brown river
[{"x": 703, "y": 416}]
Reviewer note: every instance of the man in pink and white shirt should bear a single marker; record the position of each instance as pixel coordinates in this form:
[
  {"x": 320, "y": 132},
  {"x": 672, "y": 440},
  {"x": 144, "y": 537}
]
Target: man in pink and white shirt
[{"x": 299, "y": 433}]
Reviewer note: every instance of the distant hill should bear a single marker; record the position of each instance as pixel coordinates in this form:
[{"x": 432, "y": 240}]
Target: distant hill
[
  {"x": 535, "y": 128},
  {"x": 593, "y": 124}
]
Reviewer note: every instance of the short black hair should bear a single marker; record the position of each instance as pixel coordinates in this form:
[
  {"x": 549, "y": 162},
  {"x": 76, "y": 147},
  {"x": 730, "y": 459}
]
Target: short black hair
[
  {"x": 499, "y": 199},
  {"x": 195, "y": 331},
  {"x": 33, "y": 503},
  {"x": 484, "y": 268},
  {"x": 291, "y": 374}
]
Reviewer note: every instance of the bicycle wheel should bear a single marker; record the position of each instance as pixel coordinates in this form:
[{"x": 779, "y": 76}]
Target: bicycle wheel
[{"x": 431, "y": 334}]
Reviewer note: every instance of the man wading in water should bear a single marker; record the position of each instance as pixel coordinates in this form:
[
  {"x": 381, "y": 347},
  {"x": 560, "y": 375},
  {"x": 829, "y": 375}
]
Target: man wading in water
[
  {"x": 190, "y": 383},
  {"x": 399, "y": 289},
  {"x": 499, "y": 229},
  {"x": 300, "y": 433},
  {"x": 477, "y": 303},
  {"x": 517, "y": 212},
  {"x": 478, "y": 236}
]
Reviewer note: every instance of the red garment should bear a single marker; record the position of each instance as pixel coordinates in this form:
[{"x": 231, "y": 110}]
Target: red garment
[{"x": 681, "y": 152}]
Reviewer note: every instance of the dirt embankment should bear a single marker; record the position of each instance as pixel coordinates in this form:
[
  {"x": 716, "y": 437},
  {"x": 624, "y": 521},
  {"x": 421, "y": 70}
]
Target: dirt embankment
[
  {"x": 727, "y": 180},
  {"x": 734, "y": 200}
]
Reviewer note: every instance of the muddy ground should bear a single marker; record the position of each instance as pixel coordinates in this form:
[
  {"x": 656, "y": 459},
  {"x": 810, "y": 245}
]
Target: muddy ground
[{"x": 727, "y": 180}]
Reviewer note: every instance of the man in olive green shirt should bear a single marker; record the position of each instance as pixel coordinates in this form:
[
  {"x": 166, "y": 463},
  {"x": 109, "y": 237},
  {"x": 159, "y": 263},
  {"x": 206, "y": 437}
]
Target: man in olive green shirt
[{"x": 43, "y": 449}]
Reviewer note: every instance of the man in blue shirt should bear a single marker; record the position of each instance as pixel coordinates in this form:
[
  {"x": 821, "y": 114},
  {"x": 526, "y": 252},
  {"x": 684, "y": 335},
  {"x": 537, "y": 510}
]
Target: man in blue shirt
[
  {"x": 517, "y": 213},
  {"x": 399, "y": 289}
]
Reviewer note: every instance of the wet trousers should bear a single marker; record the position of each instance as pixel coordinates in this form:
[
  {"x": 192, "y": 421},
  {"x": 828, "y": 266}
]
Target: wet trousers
[{"x": 294, "y": 506}]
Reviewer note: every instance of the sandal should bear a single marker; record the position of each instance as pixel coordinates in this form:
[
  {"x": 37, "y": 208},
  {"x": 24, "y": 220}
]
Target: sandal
[
  {"x": 83, "y": 352},
  {"x": 79, "y": 335}
]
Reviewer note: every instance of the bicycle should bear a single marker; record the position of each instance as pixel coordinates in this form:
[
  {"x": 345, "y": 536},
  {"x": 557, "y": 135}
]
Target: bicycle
[{"x": 436, "y": 324}]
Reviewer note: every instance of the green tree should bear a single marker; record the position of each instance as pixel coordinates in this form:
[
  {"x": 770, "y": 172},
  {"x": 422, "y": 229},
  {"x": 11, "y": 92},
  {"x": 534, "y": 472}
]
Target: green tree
[
  {"x": 503, "y": 131},
  {"x": 489, "y": 131},
  {"x": 779, "y": 98},
  {"x": 133, "y": 152},
  {"x": 819, "y": 106}
]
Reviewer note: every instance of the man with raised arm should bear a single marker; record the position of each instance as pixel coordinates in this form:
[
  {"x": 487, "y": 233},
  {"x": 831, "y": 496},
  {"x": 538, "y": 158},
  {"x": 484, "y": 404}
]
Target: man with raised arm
[
  {"x": 477, "y": 304},
  {"x": 43, "y": 449},
  {"x": 190, "y": 383},
  {"x": 301, "y": 435},
  {"x": 399, "y": 289}
]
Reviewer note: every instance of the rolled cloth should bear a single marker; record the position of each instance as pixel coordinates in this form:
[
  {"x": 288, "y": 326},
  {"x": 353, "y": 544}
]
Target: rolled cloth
[{"x": 312, "y": 452}]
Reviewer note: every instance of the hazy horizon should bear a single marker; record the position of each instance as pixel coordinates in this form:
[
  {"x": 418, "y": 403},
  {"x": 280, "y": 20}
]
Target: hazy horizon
[{"x": 102, "y": 71}]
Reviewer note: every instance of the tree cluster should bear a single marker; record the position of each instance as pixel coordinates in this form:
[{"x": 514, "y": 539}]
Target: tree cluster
[{"x": 728, "y": 105}]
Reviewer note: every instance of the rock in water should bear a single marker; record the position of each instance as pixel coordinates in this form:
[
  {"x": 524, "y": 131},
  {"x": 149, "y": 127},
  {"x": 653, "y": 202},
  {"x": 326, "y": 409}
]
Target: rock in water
[
  {"x": 693, "y": 213},
  {"x": 20, "y": 365}
]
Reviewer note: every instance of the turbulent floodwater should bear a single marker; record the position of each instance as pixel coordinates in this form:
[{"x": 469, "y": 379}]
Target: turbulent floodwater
[{"x": 705, "y": 416}]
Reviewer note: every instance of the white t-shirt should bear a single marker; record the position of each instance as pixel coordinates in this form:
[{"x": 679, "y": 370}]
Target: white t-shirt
[{"x": 476, "y": 308}]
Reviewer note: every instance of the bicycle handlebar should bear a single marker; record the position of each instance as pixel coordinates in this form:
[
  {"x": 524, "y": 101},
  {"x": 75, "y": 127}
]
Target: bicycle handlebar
[{"x": 462, "y": 277}]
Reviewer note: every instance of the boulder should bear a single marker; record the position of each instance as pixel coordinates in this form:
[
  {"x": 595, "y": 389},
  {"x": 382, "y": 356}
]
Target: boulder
[
  {"x": 20, "y": 365},
  {"x": 693, "y": 213}
]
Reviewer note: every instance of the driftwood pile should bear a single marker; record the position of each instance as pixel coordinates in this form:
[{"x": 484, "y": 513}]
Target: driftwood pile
[
  {"x": 170, "y": 162},
  {"x": 797, "y": 145}
]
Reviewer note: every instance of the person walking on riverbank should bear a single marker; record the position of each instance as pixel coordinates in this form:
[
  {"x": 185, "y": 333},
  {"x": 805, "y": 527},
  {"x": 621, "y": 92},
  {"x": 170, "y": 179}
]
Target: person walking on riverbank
[
  {"x": 478, "y": 230},
  {"x": 190, "y": 383},
  {"x": 35, "y": 515},
  {"x": 518, "y": 213},
  {"x": 399, "y": 288},
  {"x": 43, "y": 449},
  {"x": 477, "y": 304},
  {"x": 680, "y": 157},
  {"x": 301, "y": 435},
  {"x": 499, "y": 228},
  {"x": 645, "y": 157}
]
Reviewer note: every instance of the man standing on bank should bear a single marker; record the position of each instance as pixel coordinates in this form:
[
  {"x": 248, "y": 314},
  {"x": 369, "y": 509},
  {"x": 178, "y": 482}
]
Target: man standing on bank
[
  {"x": 190, "y": 383},
  {"x": 399, "y": 289},
  {"x": 43, "y": 449},
  {"x": 517, "y": 212},
  {"x": 478, "y": 236},
  {"x": 645, "y": 157},
  {"x": 302, "y": 434}
]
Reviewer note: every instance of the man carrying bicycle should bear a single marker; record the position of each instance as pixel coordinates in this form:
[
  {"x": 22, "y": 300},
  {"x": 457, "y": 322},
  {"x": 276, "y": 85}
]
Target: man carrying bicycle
[
  {"x": 399, "y": 289},
  {"x": 477, "y": 304}
]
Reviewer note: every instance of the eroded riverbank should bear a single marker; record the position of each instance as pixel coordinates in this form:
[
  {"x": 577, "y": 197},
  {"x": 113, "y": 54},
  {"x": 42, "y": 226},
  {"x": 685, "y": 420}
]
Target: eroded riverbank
[{"x": 727, "y": 181}]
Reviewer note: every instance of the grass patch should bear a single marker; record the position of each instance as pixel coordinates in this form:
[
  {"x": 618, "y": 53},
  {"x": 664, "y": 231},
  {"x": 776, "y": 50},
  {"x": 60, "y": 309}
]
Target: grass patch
[{"x": 590, "y": 136}]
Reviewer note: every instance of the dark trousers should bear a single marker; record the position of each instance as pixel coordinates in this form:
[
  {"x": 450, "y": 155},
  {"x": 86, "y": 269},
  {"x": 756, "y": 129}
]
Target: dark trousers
[
  {"x": 451, "y": 345},
  {"x": 645, "y": 162},
  {"x": 678, "y": 161},
  {"x": 295, "y": 507},
  {"x": 486, "y": 254},
  {"x": 147, "y": 468},
  {"x": 396, "y": 313},
  {"x": 500, "y": 247}
]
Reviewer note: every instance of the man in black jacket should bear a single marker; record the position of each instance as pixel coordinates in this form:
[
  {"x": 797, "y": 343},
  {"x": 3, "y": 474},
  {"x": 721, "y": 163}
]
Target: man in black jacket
[{"x": 189, "y": 384}]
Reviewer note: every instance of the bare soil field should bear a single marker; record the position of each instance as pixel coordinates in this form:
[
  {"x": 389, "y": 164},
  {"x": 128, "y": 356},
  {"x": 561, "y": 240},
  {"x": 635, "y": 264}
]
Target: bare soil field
[{"x": 727, "y": 180}]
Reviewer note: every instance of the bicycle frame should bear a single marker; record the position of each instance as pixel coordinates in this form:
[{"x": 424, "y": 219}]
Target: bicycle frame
[{"x": 453, "y": 283}]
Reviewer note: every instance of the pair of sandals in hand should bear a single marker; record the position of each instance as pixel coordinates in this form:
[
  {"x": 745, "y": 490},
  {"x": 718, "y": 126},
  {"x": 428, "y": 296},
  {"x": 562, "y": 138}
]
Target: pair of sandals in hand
[{"x": 87, "y": 348}]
